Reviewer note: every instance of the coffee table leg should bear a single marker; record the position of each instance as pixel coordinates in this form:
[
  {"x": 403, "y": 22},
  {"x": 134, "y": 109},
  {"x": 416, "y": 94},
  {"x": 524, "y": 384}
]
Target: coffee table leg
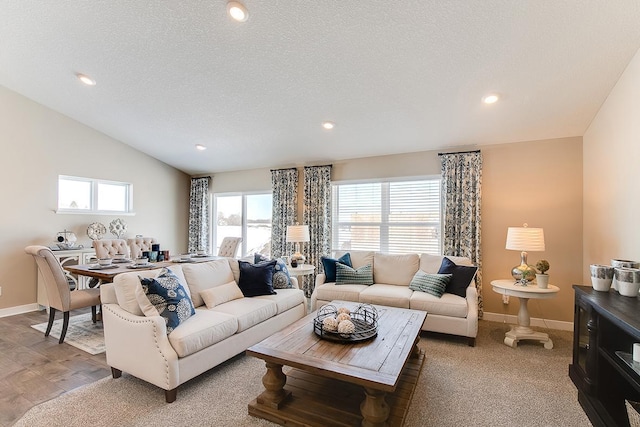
[
  {"x": 273, "y": 381},
  {"x": 374, "y": 408}
]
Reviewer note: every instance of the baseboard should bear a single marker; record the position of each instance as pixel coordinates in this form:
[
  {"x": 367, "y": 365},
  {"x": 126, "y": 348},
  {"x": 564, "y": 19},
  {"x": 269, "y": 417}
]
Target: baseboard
[
  {"x": 19, "y": 309},
  {"x": 535, "y": 321}
]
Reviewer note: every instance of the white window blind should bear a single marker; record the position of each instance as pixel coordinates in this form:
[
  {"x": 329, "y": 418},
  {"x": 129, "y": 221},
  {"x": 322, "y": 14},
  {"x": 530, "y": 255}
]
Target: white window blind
[{"x": 392, "y": 217}]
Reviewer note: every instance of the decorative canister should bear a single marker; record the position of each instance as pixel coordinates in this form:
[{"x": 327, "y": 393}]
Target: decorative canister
[
  {"x": 601, "y": 277},
  {"x": 622, "y": 263},
  {"x": 628, "y": 280}
]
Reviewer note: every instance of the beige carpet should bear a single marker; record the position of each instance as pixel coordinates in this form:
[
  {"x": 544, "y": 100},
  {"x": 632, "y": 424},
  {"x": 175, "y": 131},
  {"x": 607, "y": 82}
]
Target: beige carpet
[
  {"x": 82, "y": 333},
  {"x": 488, "y": 385}
]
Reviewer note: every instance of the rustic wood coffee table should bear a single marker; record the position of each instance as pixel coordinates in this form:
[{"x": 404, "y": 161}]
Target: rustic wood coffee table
[{"x": 367, "y": 383}]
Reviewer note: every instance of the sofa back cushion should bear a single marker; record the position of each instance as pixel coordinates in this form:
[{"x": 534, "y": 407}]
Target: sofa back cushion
[
  {"x": 205, "y": 275},
  {"x": 395, "y": 269},
  {"x": 358, "y": 258},
  {"x": 431, "y": 263}
]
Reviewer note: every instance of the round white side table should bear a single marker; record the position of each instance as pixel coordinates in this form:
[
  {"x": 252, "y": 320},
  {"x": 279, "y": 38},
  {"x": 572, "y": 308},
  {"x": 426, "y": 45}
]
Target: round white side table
[
  {"x": 301, "y": 270},
  {"x": 522, "y": 331}
]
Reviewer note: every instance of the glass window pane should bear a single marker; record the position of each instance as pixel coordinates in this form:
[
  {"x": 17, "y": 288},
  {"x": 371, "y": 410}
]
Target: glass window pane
[
  {"x": 112, "y": 197},
  {"x": 259, "y": 209},
  {"x": 228, "y": 218},
  {"x": 74, "y": 194}
]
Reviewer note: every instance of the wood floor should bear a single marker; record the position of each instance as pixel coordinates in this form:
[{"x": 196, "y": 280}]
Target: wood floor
[{"x": 34, "y": 369}]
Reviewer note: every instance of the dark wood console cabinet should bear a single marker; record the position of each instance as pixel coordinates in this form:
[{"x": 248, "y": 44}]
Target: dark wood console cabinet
[{"x": 605, "y": 327}]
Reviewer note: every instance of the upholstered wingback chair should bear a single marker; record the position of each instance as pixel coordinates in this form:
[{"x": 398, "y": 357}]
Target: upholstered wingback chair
[
  {"x": 107, "y": 248},
  {"x": 229, "y": 246},
  {"x": 139, "y": 244},
  {"x": 59, "y": 296}
]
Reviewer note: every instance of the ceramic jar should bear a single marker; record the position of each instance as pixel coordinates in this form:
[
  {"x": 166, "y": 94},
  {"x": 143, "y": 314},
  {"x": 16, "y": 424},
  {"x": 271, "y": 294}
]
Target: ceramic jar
[
  {"x": 601, "y": 277},
  {"x": 622, "y": 263},
  {"x": 628, "y": 280}
]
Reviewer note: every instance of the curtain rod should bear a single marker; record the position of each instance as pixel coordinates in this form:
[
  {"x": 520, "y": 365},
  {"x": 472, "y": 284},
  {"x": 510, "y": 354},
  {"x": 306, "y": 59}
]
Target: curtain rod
[
  {"x": 285, "y": 169},
  {"x": 459, "y": 152},
  {"x": 203, "y": 176},
  {"x": 318, "y": 166}
]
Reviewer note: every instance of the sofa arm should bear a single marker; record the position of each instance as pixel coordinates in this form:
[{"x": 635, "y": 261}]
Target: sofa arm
[
  {"x": 139, "y": 346},
  {"x": 472, "y": 314},
  {"x": 294, "y": 282},
  {"x": 320, "y": 279}
]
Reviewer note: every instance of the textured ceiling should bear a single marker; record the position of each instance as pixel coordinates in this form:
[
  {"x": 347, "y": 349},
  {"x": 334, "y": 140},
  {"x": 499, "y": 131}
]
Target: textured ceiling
[{"x": 395, "y": 76}]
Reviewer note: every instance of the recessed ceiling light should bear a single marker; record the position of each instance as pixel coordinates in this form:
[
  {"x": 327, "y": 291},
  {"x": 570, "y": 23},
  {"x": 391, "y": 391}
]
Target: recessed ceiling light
[
  {"x": 237, "y": 11},
  {"x": 200, "y": 147},
  {"x": 328, "y": 125},
  {"x": 490, "y": 99},
  {"x": 86, "y": 79}
]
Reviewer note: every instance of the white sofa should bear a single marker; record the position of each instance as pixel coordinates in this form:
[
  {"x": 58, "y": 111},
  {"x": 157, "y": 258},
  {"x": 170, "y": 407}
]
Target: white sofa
[
  {"x": 139, "y": 345},
  {"x": 449, "y": 314}
]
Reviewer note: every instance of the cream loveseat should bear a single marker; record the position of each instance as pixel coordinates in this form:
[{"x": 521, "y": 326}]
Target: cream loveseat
[
  {"x": 139, "y": 344},
  {"x": 450, "y": 314}
]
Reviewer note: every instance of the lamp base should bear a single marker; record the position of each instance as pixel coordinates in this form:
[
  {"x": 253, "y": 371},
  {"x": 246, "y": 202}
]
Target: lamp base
[
  {"x": 298, "y": 258},
  {"x": 523, "y": 274}
]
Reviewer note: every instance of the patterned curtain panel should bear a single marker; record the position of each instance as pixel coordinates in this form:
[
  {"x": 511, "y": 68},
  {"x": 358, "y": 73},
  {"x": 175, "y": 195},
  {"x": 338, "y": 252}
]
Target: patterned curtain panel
[
  {"x": 316, "y": 214},
  {"x": 199, "y": 214},
  {"x": 461, "y": 199},
  {"x": 285, "y": 207}
]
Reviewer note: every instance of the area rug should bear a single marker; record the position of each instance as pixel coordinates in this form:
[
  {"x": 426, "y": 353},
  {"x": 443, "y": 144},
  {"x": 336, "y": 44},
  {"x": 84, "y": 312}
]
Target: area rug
[
  {"x": 82, "y": 333},
  {"x": 487, "y": 385}
]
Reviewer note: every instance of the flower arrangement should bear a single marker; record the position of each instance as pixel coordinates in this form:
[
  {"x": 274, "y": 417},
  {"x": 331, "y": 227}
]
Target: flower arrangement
[{"x": 542, "y": 266}]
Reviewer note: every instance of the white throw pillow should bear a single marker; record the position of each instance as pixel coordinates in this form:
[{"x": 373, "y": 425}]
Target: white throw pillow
[
  {"x": 205, "y": 275},
  {"x": 221, "y": 294}
]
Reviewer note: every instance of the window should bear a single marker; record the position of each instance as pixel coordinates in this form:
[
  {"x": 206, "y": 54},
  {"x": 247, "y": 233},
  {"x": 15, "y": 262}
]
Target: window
[
  {"x": 392, "y": 217},
  {"x": 86, "y": 195},
  {"x": 244, "y": 215}
]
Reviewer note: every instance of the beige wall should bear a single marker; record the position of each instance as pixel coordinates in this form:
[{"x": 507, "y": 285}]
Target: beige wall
[
  {"x": 551, "y": 177},
  {"x": 612, "y": 174},
  {"x": 39, "y": 144}
]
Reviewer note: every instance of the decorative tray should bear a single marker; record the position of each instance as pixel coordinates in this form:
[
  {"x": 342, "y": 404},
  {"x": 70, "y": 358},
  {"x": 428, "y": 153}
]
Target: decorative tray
[
  {"x": 364, "y": 320},
  {"x": 102, "y": 267},
  {"x": 134, "y": 266}
]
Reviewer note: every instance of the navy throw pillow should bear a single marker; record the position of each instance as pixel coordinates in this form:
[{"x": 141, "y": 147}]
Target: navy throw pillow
[
  {"x": 256, "y": 279},
  {"x": 461, "y": 276},
  {"x": 169, "y": 297},
  {"x": 329, "y": 265},
  {"x": 281, "y": 277}
]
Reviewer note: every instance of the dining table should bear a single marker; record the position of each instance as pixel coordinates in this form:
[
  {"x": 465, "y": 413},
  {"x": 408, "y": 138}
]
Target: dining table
[{"x": 105, "y": 274}]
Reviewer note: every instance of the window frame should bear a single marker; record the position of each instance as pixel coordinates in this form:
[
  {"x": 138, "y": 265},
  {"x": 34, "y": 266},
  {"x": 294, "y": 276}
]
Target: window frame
[
  {"x": 385, "y": 210},
  {"x": 93, "y": 210},
  {"x": 214, "y": 216}
]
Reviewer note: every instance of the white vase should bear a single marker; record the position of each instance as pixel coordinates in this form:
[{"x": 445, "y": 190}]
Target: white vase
[{"x": 542, "y": 280}]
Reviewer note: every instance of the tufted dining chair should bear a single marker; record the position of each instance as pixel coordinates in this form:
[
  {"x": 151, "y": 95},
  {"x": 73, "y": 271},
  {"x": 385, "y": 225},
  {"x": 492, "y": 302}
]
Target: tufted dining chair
[
  {"x": 229, "y": 246},
  {"x": 107, "y": 248},
  {"x": 59, "y": 295},
  {"x": 139, "y": 244}
]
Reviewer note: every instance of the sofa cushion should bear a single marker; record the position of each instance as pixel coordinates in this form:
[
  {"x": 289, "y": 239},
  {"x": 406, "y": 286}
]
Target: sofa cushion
[
  {"x": 221, "y": 294},
  {"x": 395, "y": 269},
  {"x": 281, "y": 277},
  {"x": 166, "y": 297},
  {"x": 359, "y": 258},
  {"x": 434, "y": 284},
  {"x": 204, "y": 275},
  {"x": 448, "y": 305},
  {"x": 331, "y": 291},
  {"x": 355, "y": 276},
  {"x": 431, "y": 263},
  {"x": 461, "y": 279},
  {"x": 248, "y": 311},
  {"x": 390, "y": 295},
  {"x": 256, "y": 279},
  {"x": 285, "y": 299},
  {"x": 329, "y": 265},
  {"x": 202, "y": 330}
]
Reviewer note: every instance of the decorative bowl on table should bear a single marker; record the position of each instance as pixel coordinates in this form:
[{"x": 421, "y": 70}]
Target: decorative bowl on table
[
  {"x": 343, "y": 325},
  {"x": 105, "y": 262}
]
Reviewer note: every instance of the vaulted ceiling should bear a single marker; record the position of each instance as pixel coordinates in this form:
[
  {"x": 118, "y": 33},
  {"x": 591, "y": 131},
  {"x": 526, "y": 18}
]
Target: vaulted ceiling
[{"x": 394, "y": 76}]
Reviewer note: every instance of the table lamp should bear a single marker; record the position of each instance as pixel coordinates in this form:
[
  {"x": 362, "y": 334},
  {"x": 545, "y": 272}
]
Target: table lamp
[
  {"x": 524, "y": 239},
  {"x": 296, "y": 234}
]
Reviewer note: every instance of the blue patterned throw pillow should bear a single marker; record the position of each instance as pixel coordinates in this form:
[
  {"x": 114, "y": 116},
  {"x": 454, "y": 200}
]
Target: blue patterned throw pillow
[
  {"x": 329, "y": 266},
  {"x": 434, "y": 284},
  {"x": 169, "y": 299},
  {"x": 346, "y": 275},
  {"x": 281, "y": 277}
]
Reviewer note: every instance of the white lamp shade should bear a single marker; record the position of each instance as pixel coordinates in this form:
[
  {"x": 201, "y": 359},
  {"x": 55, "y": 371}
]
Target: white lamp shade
[
  {"x": 298, "y": 233},
  {"x": 525, "y": 239}
]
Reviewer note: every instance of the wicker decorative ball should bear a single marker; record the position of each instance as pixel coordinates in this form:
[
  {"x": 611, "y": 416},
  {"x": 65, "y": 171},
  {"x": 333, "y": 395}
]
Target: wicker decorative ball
[
  {"x": 343, "y": 316},
  {"x": 330, "y": 324},
  {"x": 344, "y": 310},
  {"x": 346, "y": 327}
]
